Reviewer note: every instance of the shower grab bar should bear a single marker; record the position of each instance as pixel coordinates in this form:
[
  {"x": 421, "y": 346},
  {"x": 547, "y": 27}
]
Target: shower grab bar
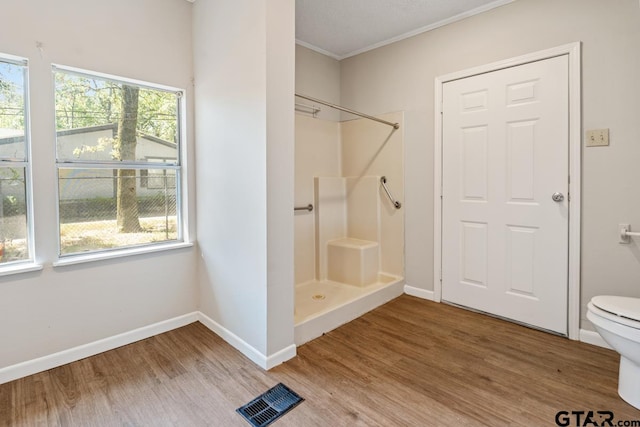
[
  {"x": 309, "y": 208},
  {"x": 626, "y": 233},
  {"x": 383, "y": 181},
  {"x": 347, "y": 110}
]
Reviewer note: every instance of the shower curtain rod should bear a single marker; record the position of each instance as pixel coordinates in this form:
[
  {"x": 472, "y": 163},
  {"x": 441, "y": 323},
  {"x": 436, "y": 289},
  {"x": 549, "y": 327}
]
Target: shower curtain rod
[{"x": 347, "y": 110}]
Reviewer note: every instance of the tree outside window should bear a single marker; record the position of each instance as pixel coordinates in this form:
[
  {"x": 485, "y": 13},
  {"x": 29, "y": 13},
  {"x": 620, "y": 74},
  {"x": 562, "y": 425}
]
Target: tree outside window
[
  {"x": 15, "y": 221},
  {"x": 107, "y": 132}
]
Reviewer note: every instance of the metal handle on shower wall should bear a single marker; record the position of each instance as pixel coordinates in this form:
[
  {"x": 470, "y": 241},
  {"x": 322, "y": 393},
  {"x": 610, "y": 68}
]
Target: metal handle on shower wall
[
  {"x": 383, "y": 181},
  {"x": 309, "y": 208}
]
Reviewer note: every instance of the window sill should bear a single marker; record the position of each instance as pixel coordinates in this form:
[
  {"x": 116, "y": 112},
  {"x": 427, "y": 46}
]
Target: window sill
[
  {"x": 83, "y": 258},
  {"x": 20, "y": 268}
]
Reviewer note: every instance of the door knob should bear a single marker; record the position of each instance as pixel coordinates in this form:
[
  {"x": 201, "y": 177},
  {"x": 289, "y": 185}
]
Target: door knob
[{"x": 557, "y": 197}]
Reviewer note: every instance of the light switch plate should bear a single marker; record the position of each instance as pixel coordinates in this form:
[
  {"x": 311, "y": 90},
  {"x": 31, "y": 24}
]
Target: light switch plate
[{"x": 597, "y": 137}]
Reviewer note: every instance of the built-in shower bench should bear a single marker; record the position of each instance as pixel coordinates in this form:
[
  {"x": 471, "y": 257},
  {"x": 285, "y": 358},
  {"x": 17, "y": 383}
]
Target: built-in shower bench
[{"x": 353, "y": 261}]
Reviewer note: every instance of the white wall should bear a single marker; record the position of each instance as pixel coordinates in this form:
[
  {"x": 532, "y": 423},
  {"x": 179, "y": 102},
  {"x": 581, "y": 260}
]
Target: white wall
[
  {"x": 610, "y": 33},
  {"x": 317, "y": 153},
  {"x": 373, "y": 149},
  {"x": 280, "y": 37},
  {"x": 329, "y": 148},
  {"x": 318, "y": 76},
  {"x": 244, "y": 143},
  {"x": 63, "y": 307},
  {"x": 317, "y": 148}
]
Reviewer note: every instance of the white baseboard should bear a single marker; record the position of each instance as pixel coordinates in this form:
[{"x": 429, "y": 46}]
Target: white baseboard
[
  {"x": 420, "y": 293},
  {"x": 589, "y": 337},
  {"x": 30, "y": 367},
  {"x": 281, "y": 356},
  {"x": 245, "y": 348},
  {"x": 593, "y": 338}
]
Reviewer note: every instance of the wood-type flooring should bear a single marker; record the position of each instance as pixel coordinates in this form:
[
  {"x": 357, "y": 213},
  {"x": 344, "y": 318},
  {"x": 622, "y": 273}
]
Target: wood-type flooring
[{"x": 410, "y": 362}]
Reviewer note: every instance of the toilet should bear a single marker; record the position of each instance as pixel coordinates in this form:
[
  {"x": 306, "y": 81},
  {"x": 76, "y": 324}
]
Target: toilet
[{"x": 617, "y": 320}]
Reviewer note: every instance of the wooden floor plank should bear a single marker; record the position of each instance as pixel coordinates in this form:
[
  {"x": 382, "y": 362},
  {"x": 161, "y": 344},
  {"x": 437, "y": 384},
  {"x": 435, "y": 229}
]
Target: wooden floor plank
[{"x": 409, "y": 363}]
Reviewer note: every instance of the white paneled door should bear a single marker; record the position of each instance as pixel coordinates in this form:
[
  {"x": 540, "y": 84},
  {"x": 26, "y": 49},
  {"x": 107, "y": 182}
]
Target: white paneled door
[{"x": 505, "y": 211}]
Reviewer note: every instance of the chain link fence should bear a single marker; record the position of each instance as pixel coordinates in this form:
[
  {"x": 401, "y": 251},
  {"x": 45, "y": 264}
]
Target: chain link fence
[
  {"x": 89, "y": 209},
  {"x": 13, "y": 215}
]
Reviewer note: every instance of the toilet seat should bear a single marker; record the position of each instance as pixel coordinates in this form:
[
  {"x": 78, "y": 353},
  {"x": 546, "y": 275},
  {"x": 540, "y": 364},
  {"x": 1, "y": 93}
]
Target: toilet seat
[
  {"x": 623, "y": 310},
  {"x": 615, "y": 319}
]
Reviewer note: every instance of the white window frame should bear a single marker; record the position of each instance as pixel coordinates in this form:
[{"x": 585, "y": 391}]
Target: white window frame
[
  {"x": 182, "y": 228},
  {"x": 28, "y": 264}
]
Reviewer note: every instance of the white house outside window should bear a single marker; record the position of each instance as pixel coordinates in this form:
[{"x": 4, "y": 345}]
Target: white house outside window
[
  {"x": 109, "y": 131},
  {"x": 16, "y": 244}
]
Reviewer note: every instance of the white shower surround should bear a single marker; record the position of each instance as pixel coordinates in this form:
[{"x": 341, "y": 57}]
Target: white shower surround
[{"x": 353, "y": 221}]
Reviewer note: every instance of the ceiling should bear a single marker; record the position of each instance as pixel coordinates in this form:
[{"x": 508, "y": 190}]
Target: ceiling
[{"x": 344, "y": 28}]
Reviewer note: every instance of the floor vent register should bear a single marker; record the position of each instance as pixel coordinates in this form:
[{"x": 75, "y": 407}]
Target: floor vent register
[{"x": 270, "y": 406}]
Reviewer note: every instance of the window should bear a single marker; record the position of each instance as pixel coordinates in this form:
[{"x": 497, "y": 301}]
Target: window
[
  {"x": 109, "y": 131},
  {"x": 16, "y": 243}
]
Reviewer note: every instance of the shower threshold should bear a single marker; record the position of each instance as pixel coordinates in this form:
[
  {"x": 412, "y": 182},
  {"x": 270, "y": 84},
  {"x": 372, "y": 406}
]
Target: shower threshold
[{"x": 321, "y": 306}]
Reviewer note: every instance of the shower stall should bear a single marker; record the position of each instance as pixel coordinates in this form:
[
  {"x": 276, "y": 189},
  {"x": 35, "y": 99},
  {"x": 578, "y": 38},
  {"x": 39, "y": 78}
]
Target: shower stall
[{"x": 349, "y": 216}]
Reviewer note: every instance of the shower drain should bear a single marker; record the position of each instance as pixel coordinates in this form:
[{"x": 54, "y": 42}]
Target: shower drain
[{"x": 318, "y": 297}]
